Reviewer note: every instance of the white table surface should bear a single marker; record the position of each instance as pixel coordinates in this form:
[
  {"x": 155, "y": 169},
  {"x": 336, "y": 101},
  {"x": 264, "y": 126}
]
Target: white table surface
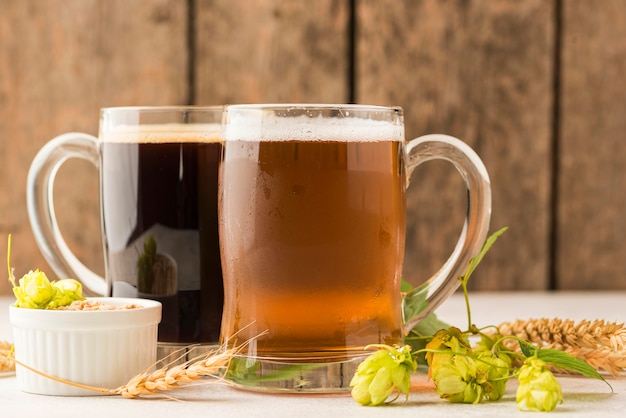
[{"x": 582, "y": 396}]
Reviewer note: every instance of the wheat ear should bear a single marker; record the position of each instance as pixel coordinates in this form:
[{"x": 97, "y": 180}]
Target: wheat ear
[
  {"x": 170, "y": 378},
  {"x": 7, "y": 364},
  {"x": 601, "y": 344}
]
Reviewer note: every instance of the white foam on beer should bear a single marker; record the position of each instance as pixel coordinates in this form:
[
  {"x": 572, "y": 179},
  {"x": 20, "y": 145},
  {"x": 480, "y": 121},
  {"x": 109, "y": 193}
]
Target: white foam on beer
[
  {"x": 304, "y": 128},
  {"x": 163, "y": 133}
]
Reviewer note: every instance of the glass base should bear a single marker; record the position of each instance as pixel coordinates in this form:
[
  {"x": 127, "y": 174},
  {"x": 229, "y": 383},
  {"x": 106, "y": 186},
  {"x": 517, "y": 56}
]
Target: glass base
[
  {"x": 174, "y": 354},
  {"x": 313, "y": 375}
]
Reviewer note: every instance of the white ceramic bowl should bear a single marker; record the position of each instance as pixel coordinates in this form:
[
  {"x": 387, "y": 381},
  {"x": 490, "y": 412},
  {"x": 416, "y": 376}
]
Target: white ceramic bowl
[{"x": 103, "y": 348}]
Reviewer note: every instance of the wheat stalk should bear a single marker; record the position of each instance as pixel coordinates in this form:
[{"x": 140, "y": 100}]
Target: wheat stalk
[
  {"x": 7, "y": 364},
  {"x": 167, "y": 378},
  {"x": 164, "y": 379},
  {"x": 601, "y": 344}
]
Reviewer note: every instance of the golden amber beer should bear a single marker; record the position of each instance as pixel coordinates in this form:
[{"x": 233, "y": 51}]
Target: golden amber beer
[
  {"x": 312, "y": 230},
  {"x": 314, "y": 238}
]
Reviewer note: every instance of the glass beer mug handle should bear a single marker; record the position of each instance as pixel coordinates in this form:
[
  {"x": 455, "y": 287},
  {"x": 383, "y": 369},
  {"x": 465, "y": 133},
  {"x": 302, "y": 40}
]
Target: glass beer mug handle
[
  {"x": 40, "y": 205},
  {"x": 427, "y": 297}
]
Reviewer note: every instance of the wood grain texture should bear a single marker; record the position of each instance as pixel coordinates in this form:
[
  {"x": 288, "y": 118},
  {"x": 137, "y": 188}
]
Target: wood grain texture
[
  {"x": 591, "y": 249},
  {"x": 261, "y": 51},
  {"x": 60, "y": 61},
  {"x": 481, "y": 71}
]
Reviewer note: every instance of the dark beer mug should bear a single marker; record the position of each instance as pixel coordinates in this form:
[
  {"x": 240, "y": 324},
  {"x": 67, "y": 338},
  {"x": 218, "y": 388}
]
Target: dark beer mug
[{"x": 158, "y": 171}]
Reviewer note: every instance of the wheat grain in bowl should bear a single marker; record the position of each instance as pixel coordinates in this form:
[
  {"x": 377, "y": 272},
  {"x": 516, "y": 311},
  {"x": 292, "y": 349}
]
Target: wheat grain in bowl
[
  {"x": 103, "y": 344},
  {"x": 96, "y": 305}
]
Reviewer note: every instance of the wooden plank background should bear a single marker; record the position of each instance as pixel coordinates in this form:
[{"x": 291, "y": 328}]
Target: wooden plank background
[{"x": 536, "y": 87}]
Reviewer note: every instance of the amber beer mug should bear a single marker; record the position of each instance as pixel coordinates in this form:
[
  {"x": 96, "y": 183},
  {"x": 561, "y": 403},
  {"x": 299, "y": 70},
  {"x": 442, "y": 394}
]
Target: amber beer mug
[
  {"x": 158, "y": 169},
  {"x": 312, "y": 230}
]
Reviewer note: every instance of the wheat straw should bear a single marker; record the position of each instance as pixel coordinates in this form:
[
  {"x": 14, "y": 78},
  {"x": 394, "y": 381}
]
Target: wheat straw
[{"x": 602, "y": 344}]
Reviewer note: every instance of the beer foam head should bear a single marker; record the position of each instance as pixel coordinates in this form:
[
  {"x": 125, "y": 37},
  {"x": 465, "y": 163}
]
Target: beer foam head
[
  {"x": 163, "y": 133},
  {"x": 267, "y": 126}
]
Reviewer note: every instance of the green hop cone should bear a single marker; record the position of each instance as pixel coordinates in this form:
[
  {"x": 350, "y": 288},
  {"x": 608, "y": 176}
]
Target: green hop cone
[
  {"x": 446, "y": 342},
  {"x": 498, "y": 373},
  {"x": 538, "y": 388},
  {"x": 34, "y": 291},
  {"x": 461, "y": 379},
  {"x": 67, "y": 291},
  {"x": 381, "y": 373},
  {"x": 470, "y": 379}
]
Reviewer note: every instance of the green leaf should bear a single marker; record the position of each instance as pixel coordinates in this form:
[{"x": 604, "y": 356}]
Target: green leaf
[
  {"x": 428, "y": 326},
  {"x": 145, "y": 264},
  {"x": 527, "y": 348},
  {"x": 488, "y": 243},
  {"x": 561, "y": 360},
  {"x": 405, "y": 286},
  {"x": 247, "y": 371},
  {"x": 568, "y": 362},
  {"x": 414, "y": 300}
]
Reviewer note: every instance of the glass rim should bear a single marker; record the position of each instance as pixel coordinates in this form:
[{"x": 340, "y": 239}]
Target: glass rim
[
  {"x": 314, "y": 106},
  {"x": 140, "y": 124},
  {"x": 163, "y": 108}
]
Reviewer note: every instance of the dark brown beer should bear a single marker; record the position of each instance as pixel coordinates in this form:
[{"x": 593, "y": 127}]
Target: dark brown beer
[
  {"x": 159, "y": 212},
  {"x": 312, "y": 244}
]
